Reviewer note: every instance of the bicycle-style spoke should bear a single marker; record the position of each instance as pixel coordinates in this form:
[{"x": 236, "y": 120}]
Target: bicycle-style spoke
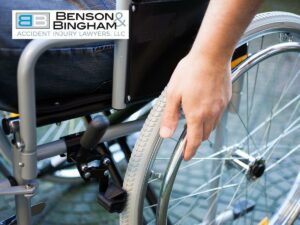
[
  {"x": 297, "y": 148},
  {"x": 249, "y": 135},
  {"x": 256, "y": 77},
  {"x": 269, "y": 117},
  {"x": 217, "y": 153},
  {"x": 276, "y": 141},
  {"x": 284, "y": 91},
  {"x": 198, "y": 192}
]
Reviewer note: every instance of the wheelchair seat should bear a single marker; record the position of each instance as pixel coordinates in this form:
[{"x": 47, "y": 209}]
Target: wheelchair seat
[{"x": 69, "y": 79}]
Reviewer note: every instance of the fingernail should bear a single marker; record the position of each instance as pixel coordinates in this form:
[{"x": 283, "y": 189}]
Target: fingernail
[
  {"x": 186, "y": 157},
  {"x": 165, "y": 132}
]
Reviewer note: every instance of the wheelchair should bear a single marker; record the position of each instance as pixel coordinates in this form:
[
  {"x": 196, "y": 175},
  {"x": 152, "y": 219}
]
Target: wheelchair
[{"x": 248, "y": 170}]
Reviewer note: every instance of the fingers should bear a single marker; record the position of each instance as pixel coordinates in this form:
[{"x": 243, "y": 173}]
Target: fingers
[
  {"x": 194, "y": 137},
  {"x": 207, "y": 129},
  {"x": 217, "y": 122},
  {"x": 198, "y": 130},
  {"x": 219, "y": 118},
  {"x": 170, "y": 116}
]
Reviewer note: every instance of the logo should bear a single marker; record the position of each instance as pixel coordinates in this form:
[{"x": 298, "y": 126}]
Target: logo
[
  {"x": 70, "y": 24},
  {"x": 32, "y": 20}
]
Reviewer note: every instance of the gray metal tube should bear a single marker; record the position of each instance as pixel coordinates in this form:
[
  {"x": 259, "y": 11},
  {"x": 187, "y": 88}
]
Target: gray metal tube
[
  {"x": 51, "y": 149},
  {"x": 59, "y": 147},
  {"x": 22, "y": 203},
  {"x": 216, "y": 170},
  {"x": 263, "y": 55},
  {"x": 25, "y": 159},
  {"x": 120, "y": 65},
  {"x": 26, "y": 98}
]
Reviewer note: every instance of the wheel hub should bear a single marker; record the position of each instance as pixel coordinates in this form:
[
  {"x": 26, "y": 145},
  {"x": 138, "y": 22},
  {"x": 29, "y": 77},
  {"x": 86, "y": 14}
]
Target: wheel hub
[
  {"x": 256, "y": 169},
  {"x": 253, "y": 167}
]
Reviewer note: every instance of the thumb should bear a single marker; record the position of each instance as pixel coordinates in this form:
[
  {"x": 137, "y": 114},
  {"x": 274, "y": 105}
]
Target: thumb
[{"x": 170, "y": 117}]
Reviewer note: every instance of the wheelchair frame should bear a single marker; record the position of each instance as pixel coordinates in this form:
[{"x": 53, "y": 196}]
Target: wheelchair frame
[{"x": 25, "y": 153}]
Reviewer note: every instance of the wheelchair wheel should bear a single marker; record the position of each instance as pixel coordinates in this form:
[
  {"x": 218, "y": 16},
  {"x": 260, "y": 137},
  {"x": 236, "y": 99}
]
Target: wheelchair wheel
[{"x": 248, "y": 170}]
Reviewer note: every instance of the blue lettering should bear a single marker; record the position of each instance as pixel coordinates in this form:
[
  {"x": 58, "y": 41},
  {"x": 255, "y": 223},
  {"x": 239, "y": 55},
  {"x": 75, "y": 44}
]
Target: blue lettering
[{"x": 25, "y": 20}]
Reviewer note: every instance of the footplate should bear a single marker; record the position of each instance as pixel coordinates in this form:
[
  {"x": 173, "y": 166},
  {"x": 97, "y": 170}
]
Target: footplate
[{"x": 113, "y": 199}]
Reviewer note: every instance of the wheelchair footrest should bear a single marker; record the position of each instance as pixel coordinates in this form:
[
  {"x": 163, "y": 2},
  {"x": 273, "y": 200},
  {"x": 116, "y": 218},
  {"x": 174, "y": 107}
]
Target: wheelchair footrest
[{"x": 113, "y": 199}]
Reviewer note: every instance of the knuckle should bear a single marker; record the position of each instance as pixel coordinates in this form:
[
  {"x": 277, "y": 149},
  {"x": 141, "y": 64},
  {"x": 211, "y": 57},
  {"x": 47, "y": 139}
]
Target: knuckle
[
  {"x": 219, "y": 106},
  {"x": 195, "y": 117},
  {"x": 223, "y": 103},
  {"x": 215, "y": 111}
]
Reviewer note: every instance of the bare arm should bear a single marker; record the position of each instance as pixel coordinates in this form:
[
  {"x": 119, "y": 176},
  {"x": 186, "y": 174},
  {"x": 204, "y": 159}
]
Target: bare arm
[
  {"x": 201, "y": 83},
  {"x": 222, "y": 27}
]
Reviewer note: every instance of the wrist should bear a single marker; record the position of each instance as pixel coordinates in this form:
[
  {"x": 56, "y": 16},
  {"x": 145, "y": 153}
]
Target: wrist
[{"x": 210, "y": 57}]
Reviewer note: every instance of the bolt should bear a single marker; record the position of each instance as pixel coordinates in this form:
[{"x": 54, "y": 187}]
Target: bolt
[
  {"x": 84, "y": 167},
  {"x": 106, "y": 161},
  {"x": 87, "y": 175},
  {"x": 106, "y": 173},
  {"x": 21, "y": 164},
  {"x": 133, "y": 8},
  {"x": 154, "y": 175},
  {"x": 20, "y": 145},
  {"x": 128, "y": 98}
]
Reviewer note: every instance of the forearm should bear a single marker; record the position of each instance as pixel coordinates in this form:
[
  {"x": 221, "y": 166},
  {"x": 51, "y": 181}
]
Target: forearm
[{"x": 222, "y": 27}]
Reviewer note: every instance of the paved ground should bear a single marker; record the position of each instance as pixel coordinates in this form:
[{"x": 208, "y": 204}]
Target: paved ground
[{"x": 78, "y": 206}]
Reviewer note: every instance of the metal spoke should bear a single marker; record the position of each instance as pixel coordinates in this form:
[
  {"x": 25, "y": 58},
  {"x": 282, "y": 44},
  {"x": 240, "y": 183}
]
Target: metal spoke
[
  {"x": 204, "y": 158},
  {"x": 204, "y": 192},
  {"x": 208, "y": 183},
  {"x": 283, "y": 158},
  {"x": 244, "y": 125},
  {"x": 256, "y": 76},
  {"x": 236, "y": 191},
  {"x": 226, "y": 149},
  {"x": 296, "y": 99},
  {"x": 276, "y": 141},
  {"x": 196, "y": 192},
  {"x": 294, "y": 113},
  {"x": 285, "y": 89}
]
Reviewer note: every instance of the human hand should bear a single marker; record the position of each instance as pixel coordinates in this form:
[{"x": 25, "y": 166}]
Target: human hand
[{"x": 202, "y": 87}]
